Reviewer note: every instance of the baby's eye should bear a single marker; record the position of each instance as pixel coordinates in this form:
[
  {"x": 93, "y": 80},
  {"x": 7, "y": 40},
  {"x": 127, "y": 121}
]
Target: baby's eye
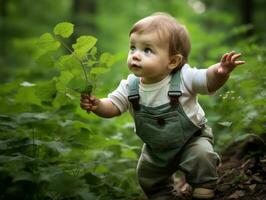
[
  {"x": 132, "y": 48},
  {"x": 147, "y": 50}
]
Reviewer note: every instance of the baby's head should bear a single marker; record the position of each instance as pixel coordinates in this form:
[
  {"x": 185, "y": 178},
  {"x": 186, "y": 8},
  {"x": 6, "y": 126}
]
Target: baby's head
[{"x": 169, "y": 31}]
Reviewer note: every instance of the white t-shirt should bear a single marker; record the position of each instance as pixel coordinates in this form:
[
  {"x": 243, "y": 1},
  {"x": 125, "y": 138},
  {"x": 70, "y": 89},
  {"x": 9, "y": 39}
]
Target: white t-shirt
[{"x": 193, "y": 82}]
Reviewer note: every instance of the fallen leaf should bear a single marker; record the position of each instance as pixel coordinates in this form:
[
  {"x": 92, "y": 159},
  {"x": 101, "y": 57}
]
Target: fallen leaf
[
  {"x": 257, "y": 178},
  {"x": 252, "y": 187},
  {"x": 237, "y": 194}
]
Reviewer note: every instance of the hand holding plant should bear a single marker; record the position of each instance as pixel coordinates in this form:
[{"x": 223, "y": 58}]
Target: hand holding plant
[{"x": 89, "y": 103}]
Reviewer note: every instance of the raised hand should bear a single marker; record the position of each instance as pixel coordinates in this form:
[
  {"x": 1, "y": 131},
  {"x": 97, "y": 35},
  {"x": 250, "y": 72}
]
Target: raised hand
[{"x": 229, "y": 62}]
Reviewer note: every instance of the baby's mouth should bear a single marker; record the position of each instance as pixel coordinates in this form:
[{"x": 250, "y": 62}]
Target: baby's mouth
[{"x": 135, "y": 65}]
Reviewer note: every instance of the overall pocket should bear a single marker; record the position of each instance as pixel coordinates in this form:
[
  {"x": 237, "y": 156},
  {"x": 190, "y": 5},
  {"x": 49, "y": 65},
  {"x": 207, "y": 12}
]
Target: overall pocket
[{"x": 159, "y": 131}]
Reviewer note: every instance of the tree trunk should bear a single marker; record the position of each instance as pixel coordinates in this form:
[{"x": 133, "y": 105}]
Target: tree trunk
[
  {"x": 3, "y": 15},
  {"x": 247, "y": 10}
]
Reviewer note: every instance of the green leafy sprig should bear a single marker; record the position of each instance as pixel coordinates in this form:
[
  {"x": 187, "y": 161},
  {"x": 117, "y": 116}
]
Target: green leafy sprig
[{"x": 81, "y": 58}]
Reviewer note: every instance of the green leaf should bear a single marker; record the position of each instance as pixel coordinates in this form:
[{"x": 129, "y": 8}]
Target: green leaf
[
  {"x": 64, "y": 29},
  {"x": 93, "y": 52},
  {"x": 26, "y": 95},
  {"x": 92, "y": 179},
  {"x": 129, "y": 154},
  {"x": 69, "y": 62},
  {"x": 107, "y": 59},
  {"x": 60, "y": 181},
  {"x": 99, "y": 142},
  {"x": 76, "y": 84},
  {"x": 24, "y": 176},
  {"x": 99, "y": 70},
  {"x": 24, "y": 118},
  {"x": 60, "y": 100},
  {"x": 47, "y": 42},
  {"x": 45, "y": 91},
  {"x": 88, "y": 89},
  {"x": 63, "y": 80},
  {"x": 76, "y": 124},
  {"x": 57, "y": 146},
  {"x": 100, "y": 169},
  {"x": 83, "y": 45},
  {"x": 90, "y": 63},
  {"x": 85, "y": 195},
  {"x": 7, "y": 126}
]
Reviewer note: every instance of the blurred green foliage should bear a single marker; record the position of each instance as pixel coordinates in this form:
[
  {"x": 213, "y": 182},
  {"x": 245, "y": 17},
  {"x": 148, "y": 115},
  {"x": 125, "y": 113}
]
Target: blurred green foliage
[{"x": 49, "y": 147}]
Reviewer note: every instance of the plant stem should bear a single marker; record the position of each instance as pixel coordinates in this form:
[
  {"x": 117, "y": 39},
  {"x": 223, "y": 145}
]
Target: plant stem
[{"x": 80, "y": 61}]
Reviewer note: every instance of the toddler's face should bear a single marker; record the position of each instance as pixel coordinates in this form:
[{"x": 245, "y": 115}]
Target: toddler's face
[{"x": 148, "y": 57}]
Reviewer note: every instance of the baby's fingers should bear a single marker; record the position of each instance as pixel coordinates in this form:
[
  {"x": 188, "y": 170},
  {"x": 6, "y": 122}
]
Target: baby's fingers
[
  {"x": 235, "y": 56},
  {"x": 235, "y": 61},
  {"x": 239, "y": 62},
  {"x": 230, "y": 55},
  {"x": 84, "y": 105},
  {"x": 224, "y": 57}
]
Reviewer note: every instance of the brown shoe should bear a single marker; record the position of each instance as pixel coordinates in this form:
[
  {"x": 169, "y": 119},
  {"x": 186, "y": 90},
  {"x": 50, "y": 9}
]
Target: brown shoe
[{"x": 203, "y": 193}]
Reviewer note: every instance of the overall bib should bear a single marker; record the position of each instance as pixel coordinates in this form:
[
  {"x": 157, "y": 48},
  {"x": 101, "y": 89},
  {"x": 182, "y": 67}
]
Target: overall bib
[{"x": 171, "y": 142}]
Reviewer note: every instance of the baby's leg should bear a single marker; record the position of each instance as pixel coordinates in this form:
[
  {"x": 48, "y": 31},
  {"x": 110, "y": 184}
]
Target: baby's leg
[
  {"x": 199, "y": 161},
  {"x": 157, "y": 182}
]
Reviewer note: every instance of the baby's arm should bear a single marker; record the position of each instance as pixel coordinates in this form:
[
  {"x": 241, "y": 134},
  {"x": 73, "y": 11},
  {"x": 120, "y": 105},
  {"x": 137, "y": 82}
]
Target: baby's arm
[
  {"x": 218, "y": 74},
  {"x": 101, "y": 107}
]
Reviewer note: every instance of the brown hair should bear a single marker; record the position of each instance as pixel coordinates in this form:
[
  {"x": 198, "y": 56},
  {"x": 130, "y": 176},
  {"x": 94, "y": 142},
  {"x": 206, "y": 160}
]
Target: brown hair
[{"x": 168, "y": 29}]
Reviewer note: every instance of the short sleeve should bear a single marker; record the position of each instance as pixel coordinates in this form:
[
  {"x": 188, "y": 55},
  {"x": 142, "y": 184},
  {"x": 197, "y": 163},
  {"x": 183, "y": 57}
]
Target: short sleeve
[
  {"x": 195, "y": 80},
  {"x": 119, "y": 96}
]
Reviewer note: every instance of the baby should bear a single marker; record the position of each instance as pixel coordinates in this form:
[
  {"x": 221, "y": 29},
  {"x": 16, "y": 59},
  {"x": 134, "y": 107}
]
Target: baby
[{"x": 161, "y": 95}]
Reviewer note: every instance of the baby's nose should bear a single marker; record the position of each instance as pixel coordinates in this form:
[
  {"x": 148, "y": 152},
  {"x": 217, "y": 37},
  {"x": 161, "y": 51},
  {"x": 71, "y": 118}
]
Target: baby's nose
[{"x": 136, "y": 55}]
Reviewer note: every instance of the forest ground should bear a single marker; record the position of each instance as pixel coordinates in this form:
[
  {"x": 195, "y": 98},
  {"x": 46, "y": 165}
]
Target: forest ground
[{"x": 243, "y": 170}]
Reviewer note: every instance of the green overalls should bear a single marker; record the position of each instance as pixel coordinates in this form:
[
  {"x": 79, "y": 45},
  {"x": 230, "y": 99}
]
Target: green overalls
[{"x": 171, "y": 142}]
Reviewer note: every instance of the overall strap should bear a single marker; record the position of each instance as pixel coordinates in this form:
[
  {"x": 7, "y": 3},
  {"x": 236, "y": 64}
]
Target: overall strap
[
  {"x": 133, "y": 91},
  {"x": 174, "y": 91}
]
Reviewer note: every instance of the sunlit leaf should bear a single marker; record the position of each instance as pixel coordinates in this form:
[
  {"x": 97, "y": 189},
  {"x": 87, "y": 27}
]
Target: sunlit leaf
[
  {"x": 64, "y": 29},
  {"x": 83, "y": 45},
  {"x": 63, "y": 80},
  {"x": 27, "y": 84},
  {"x": 101, "y": 169},
  {"x": 47, "y": 42},
  {"x": 227, "y": 124},
  {"x": 107, "y": 59},
  {"x": 68, "y": 62},
  {"x": 129, "y": 154}
]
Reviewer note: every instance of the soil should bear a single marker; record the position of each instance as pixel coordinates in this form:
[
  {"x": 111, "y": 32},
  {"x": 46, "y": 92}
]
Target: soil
[{"x": 243, "y": 170}]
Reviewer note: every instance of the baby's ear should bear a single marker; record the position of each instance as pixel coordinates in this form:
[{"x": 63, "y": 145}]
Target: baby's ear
[{"x": 175, "y": 61}]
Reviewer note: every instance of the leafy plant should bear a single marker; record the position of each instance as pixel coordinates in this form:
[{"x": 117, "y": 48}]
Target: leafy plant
[
  {"x": 48, "y": 149},
  {"x": 81, "y": 60}
]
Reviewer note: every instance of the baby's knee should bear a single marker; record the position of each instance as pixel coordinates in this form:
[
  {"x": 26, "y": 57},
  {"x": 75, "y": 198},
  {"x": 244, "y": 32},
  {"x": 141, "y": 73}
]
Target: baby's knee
[{"x": 206, "y": 158}]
